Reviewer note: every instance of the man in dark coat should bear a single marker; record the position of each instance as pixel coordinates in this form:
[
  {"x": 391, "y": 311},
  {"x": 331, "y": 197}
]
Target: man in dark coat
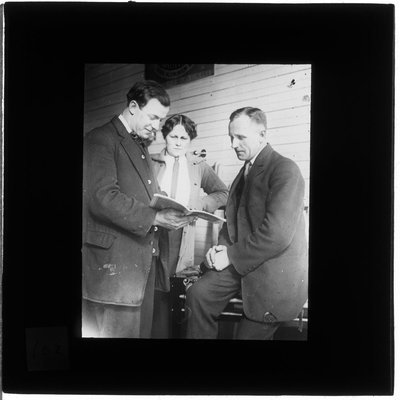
[
  {"x": 120, "y": 229},
  {"x": 262, "y": 248}
]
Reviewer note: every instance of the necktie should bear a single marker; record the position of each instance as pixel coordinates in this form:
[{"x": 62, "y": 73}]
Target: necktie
[
  {"x": 143, "y": 147},
  {"x": 175, "y": 174},
  {"x": 140, "y": 141},
  {"x": 240, "y": 186},
  {"x": 247, "y": 169}
]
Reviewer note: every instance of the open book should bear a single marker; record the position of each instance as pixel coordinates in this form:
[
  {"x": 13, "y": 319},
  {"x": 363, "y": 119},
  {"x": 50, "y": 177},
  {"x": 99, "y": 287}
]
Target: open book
[{"x": 160, "y": 202}]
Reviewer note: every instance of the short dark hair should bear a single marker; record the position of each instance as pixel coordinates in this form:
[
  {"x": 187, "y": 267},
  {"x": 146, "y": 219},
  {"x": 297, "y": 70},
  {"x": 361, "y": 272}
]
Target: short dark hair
[
  {"x": 255, "y": 114},
  {"x": 143, "y": 91},
  {"x": 179, "y": 119}
]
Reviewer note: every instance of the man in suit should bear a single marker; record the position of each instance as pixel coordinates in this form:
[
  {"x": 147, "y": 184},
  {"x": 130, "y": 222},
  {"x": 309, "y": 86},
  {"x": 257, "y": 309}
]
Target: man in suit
[
  {"x": 120, "y": 229},
  {"x": 262, "y": 249}
]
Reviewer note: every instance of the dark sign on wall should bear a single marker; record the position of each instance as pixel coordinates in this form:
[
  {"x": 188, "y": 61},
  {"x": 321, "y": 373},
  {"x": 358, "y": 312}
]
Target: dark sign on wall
[{"x": 173, "y": 74}]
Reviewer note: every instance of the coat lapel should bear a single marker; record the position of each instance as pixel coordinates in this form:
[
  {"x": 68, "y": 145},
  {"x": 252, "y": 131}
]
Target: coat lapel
[
  {"x": 232, "y": 206},
  {"x": 232, "y": 191},
  {"x": 260, "y": 162},
  {"x": 135, "y": 155},
  {"x": 233, "y": 202}
]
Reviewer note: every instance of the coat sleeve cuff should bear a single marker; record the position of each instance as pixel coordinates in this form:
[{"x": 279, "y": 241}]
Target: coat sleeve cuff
[
  {"x": 148, "y": 221},
  {"x": 234, "y": 259}
]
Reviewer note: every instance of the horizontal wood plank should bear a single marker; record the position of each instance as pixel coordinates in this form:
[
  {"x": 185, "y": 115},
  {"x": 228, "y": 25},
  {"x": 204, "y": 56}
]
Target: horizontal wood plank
[
  {"x": 95, "y": 70},
  {"x": 243, "y": 91},
  {"x": 244, "y": 77},
  {"x": 113, "y": 92},
  {"x": 114, "y": 75}
]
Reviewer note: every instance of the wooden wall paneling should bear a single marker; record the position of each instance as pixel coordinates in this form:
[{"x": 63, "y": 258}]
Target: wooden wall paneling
[
  {"x": 221, "y": 69},
  {"x": 106, "y": 86},
  {"x": 116, "y": 72},
  {"x": 234, "y": 92},
  {"x": 226, "y": 84},
  {"x": 96, "y": 70},
  {"x": 217, "y": 82},
  {"x": 110, "y": 90}
]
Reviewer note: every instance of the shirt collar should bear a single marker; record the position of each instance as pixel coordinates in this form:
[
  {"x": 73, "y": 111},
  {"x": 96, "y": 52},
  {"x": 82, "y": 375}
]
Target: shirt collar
[
  {"x": 135, "y": 136},
  {"x": 172, "y": 158},
  {"x": 259, "y": 151},
  {"x": 125, "y": 123}
]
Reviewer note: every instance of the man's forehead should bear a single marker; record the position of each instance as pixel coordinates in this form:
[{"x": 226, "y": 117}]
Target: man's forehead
[
  {"x": 154, "y": 106},
  {"x": 241, "y": 123}
]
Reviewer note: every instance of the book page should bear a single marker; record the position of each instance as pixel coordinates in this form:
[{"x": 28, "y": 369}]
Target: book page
[{"x": 160, "y": 202}]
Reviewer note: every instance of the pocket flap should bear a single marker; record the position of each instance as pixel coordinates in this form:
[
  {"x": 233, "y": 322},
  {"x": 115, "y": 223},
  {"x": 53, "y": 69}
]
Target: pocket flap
[{"x": 100, "y": 239}]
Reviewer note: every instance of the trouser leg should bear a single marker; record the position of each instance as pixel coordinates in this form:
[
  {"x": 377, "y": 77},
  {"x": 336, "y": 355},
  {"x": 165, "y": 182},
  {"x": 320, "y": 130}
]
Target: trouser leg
[
  {"x": 254, "y": 330},
  {"x": 161, "y": 317},
  {"x": 120, "y": 322},
  {"x": 206, "y": 299},
  {"x": 161, "y": 323},
  {"x": 110, "y": 321},
  {"x": 90, "y": 317},
  {"x": 114, "y": 321},
  {"x": 174, "y": 245},
  {"x": 147, "y": 307}
]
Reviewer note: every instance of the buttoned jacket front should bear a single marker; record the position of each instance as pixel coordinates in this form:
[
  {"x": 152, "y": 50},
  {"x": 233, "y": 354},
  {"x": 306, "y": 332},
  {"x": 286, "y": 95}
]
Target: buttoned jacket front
[
  {"x": 119, "y": 239},
  {"x": 266, "y": 238}
]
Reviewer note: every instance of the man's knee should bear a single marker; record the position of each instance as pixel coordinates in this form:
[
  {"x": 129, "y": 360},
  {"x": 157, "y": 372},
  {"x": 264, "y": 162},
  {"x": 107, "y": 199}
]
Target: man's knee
[{"x": 196, "y": 293}]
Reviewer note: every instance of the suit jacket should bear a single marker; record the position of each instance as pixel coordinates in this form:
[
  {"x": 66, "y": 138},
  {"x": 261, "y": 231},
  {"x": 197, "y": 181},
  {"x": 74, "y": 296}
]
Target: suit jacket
[
  {"x": 266, "y": 238},
  {"x": 201, "y": 176},
  {"x": 119, "y": 240}
]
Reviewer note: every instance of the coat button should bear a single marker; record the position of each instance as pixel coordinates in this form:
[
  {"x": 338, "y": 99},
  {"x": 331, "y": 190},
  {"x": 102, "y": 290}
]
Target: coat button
[
  {"x": 268, "y": 317},
  {"x": 143, "y": 157},
  {"x": 149, "y": 182}
]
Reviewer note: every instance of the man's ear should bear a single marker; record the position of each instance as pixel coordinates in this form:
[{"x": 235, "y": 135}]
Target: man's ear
[
  {"x": 133, "y": 106},
  {"x": 263, "y": 134}
]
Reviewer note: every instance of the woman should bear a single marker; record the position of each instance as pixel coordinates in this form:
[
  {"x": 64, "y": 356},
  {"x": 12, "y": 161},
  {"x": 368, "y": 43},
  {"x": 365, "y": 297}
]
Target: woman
[{"x": 181, "y": 174}]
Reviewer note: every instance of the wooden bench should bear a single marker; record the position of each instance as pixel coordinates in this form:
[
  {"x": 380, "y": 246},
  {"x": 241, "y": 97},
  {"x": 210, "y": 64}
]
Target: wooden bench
[{"x": 228, "y": 320}]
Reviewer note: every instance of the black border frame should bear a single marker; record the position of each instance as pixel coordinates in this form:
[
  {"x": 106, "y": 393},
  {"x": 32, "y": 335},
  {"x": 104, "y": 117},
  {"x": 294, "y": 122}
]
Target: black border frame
[{"x": 350, "y": 47}]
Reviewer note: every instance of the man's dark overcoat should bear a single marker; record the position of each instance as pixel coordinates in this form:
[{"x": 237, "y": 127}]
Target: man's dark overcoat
[
  {"x": 266, "y": 238},
  {"x": 119, "y": 240}
]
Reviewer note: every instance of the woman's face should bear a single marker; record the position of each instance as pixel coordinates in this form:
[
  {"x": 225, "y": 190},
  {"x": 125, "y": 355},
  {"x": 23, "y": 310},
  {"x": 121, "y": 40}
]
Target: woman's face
[{"x": 178, "y": 141}]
